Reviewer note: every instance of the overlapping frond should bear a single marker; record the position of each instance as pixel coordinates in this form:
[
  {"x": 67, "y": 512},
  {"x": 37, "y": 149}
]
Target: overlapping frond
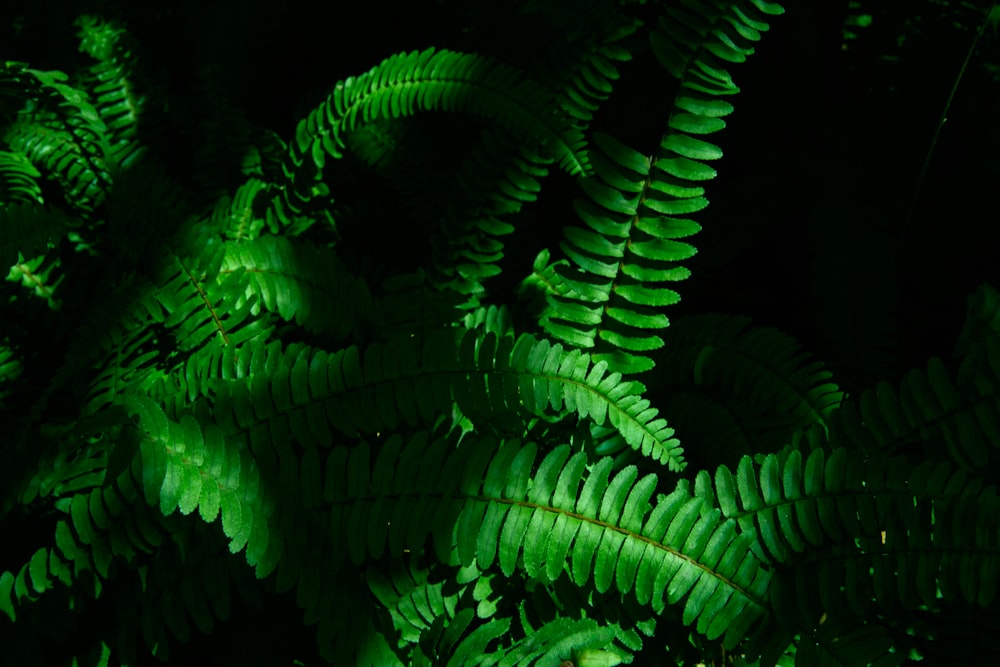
[
  {"x": 313, "y": 394},
  {"x": 501, "y": 175},
  {"x": 300, "y": 282},
  {"x": 61, "y": 134},
  {"x": 628, "y": 252}
]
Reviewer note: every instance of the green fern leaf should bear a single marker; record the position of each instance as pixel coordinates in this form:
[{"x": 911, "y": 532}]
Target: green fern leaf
[
  {"x": 65, "y": 134},
  {"x": 427, "y": 80},
  {"x": 18, "y": 180},
  {"x": 930, "y": 407},
  {"x": 112, "y": 82}
]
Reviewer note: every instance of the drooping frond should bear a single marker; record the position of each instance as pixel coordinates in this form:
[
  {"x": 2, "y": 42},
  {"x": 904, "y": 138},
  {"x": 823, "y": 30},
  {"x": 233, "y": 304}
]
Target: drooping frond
[
  {"x": 492, "y": 184},
  {"x": 582, "y": 63},
  {"x": 405, "y": 84},
  {"x": 313, "y": 394}
]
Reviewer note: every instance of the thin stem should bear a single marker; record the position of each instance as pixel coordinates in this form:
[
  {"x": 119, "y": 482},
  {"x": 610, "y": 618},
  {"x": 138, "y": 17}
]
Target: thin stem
[{"x": 937, "y": 131}]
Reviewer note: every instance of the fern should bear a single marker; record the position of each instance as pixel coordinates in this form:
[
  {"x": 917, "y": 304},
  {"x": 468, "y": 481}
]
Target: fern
[
  {"x": 629, "y": 247},
  {"x": 223, "y": 389}
]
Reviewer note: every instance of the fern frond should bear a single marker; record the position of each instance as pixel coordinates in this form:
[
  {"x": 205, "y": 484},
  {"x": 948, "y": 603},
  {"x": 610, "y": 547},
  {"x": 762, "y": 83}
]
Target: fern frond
[
  {"x": 492, "y": 185},
  {"x": 493, "y": 504},
  {"x": 238, "y": 218},
  {"x": 409, "y": 306},
  {"x": 41, "y": 276},
  {"x": 313, "y": 394},
  {"x": 629, "y": 248},
  {"x": 188, "y": 466},
  {"x": 406, "y": 83},
  {"x": 930, "y": 408},
  {"x": 18, "y": 180},
  {"x": 302, "y": 283},
  {"x": 61, "y": 134},
  {"x": 581, "y": 62},
  {"x": 758, "y": 383},
  {"x": 855, "y": 534},
  {"x": 112, "y": 80},
  {"x": 197, "y": 303}
]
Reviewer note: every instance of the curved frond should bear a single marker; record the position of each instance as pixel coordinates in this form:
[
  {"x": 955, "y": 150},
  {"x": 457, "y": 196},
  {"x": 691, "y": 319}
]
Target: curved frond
[
  {"x": 759, "y": 383},
  {"x": 314, "y": 394},
  {"x": 406, "y": 83}
]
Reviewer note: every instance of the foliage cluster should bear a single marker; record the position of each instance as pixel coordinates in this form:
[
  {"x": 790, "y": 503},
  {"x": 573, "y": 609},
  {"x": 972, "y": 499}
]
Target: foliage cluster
[{"x": 282, "y": 372}]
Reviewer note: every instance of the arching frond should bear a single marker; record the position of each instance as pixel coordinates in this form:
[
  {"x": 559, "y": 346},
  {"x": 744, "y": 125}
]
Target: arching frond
[
  {"x": 407, "y": 83},
  {"x": 313, "y": 394}
]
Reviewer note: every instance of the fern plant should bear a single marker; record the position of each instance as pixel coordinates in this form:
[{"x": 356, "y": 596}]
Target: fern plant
[{"x": 213, "y": 403}]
